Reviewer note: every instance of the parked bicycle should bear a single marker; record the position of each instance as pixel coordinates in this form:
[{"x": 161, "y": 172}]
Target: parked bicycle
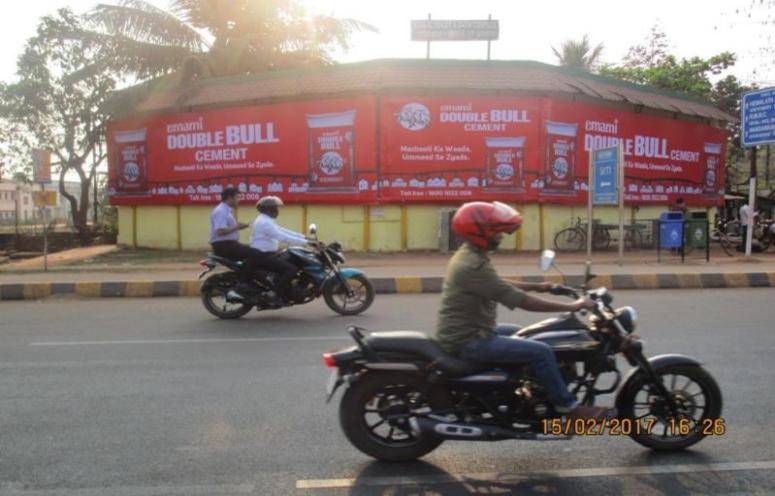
[
  {"x": 763, "y": 235},
  {"x": 574, "y": 238}
]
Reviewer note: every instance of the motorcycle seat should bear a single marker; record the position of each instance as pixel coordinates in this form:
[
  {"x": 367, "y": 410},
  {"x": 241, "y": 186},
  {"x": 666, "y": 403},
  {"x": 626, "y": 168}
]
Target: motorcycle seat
[
  {"x": 228, "y": 262},
  {"x": 419, "y": 344}
]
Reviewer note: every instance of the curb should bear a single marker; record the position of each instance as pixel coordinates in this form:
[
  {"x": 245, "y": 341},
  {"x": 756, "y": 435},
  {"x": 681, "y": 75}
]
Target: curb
[{"x": 387, "y": 285}]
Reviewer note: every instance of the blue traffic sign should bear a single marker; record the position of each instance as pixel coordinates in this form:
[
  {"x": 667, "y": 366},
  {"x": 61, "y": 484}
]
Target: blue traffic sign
[
  {"x": 605, "y": 165},
  {"x": 758, "y": 118}
]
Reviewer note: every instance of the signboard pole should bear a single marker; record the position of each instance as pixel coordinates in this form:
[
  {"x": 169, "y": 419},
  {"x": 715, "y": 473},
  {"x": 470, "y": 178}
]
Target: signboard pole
[
  {"x": 590, "y": 192},
  {"x": 428, "y": 45},
  {"x": 45, "y": 230},
  {"x": 620, "y": 187},
  {"x": 751, "y": 203},
  {"x": 489, "y": 18}
]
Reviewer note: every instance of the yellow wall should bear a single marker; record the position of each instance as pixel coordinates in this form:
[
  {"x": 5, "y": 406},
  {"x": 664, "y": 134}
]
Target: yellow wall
[
  {"x": 340, "y": 223},
  {"x": 157, "y": 226},
  {"x": 194, "y": 226},
  {"x": 385, "y": 228},
  {"x": 125, "y": 226}
]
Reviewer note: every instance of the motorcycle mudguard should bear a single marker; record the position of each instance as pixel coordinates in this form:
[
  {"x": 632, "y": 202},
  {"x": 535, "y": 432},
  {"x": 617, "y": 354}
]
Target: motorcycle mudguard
[
  {"x": 347, "y": 273},
  {"x": 656, "y": 362}
]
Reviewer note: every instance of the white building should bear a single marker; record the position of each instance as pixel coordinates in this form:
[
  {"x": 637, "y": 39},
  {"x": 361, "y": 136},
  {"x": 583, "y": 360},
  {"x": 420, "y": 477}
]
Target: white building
[{"x": 18, "y": 198}]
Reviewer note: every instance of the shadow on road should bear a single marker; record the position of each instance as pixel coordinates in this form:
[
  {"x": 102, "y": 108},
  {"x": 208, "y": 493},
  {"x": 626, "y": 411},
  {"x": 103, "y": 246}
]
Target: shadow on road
[{"x": 422, "y": 478}]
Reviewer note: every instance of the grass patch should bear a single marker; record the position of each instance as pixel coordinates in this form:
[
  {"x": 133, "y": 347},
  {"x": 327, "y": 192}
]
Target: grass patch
[{"x": 144, "y": 256}]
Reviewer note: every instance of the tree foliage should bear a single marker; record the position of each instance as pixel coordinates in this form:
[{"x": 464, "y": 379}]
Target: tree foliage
[
  {"x": 47, "y": 108},
  {"x": 579, "y": 54},
  {"x": 204, "y": 38},
  {"x": 651, "y": 63}
]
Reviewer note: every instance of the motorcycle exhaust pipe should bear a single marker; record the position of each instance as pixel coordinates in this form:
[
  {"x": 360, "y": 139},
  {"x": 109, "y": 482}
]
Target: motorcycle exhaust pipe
[{"x": 463, "y": 432}]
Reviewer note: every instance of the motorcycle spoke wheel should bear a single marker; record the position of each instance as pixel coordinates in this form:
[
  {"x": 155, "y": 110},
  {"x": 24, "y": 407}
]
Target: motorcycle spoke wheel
[
  {"x": 351, "y": 298},
  {"x": 656, "y": 425},
  {"x": 357, "y": 296},
  {"x": 215, "y": 301},
  {"x": 386, "y": 415}
]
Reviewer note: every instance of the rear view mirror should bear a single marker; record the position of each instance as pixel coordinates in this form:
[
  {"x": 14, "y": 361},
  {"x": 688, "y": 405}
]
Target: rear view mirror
[
  {"x": 313, "y": 229},
  {"x": 547, "y": 259}
]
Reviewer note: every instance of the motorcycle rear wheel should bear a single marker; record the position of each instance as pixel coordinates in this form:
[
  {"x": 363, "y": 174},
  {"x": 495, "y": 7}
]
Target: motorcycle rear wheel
[
  {"x": 214, "y": 300},
  {"x": 375, "y": 411}
]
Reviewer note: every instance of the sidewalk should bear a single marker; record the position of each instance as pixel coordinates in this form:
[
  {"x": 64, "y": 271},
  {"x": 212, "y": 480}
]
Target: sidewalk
[{"x": 408, "y": 272}]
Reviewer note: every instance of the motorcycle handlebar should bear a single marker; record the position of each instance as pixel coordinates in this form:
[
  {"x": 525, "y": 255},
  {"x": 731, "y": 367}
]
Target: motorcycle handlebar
[{"x": 560, "y": 290}]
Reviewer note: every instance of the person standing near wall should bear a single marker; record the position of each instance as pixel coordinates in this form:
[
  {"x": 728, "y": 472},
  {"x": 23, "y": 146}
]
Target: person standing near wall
[{"x": 746, "y": 217}]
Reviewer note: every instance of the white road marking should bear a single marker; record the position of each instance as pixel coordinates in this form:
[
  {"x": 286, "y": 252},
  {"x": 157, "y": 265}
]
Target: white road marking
[
  {"x": 182, "y": 490},
  {"x": 556, "y": 474},
  {"x": 186, "y": 341}
]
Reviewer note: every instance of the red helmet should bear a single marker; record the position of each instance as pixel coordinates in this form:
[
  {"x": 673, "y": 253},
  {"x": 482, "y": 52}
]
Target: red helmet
[{"x": 479, "y": 222}]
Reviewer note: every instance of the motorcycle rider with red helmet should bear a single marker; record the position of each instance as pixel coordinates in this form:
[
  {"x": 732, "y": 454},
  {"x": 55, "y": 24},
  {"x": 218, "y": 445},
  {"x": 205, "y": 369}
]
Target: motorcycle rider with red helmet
[{"x": 472, "y": 289}]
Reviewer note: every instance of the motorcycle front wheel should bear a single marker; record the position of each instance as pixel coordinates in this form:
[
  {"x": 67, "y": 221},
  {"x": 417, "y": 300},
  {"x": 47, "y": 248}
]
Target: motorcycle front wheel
[
  {"x": 357, "y": 300},
  {"x": 698, "y": 400},
  {"x": 214, "y": 299}
]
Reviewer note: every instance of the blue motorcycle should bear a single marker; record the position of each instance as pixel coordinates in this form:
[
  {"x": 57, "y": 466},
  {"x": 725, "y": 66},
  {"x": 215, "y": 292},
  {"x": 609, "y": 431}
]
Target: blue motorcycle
[{"x": 346, "y": 291}]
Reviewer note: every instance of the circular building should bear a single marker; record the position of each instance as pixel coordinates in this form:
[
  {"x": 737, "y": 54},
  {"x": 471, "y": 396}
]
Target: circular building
[{"x": 377, "y": 153}]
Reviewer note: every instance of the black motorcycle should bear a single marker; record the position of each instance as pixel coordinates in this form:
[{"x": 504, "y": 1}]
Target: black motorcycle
[
  {"x": 404, "y": 395},
  {"x": 346, "y": 291}
]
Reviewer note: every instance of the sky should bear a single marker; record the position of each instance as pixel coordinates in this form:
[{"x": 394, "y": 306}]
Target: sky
[{"x": 528, "y": 29}]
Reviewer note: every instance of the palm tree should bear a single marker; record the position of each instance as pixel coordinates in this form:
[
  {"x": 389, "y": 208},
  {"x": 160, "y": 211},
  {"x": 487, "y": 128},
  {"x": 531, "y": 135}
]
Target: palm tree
[
  {"x": 579, "y": 54},
  {"x": 204, "y": 38}
]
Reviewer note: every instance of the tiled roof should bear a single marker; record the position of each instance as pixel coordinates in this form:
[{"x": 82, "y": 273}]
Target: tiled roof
[{"x": 425, "y": 75}]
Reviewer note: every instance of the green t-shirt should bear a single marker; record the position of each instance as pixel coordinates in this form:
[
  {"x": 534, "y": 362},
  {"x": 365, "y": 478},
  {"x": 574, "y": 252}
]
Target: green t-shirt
[{"x": 471, "y": 293}]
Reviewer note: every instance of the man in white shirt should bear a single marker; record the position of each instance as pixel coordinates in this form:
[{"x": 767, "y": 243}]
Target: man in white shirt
[
  {"x": 746, "y": 215},
  {"x": 266, "y": 238}
]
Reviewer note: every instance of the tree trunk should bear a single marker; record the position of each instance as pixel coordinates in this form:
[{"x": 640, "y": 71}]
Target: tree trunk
[{"x": 78, "y": 209}]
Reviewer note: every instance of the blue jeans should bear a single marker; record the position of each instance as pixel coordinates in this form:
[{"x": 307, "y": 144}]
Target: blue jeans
[{"x": 503, "y": 348}]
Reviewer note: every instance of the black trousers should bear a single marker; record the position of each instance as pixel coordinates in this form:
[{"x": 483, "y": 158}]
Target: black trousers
[
  {"x": 234, "y": 250},
  {"x": 284, "y": 270},
  {"x": 257, "y": 259}
]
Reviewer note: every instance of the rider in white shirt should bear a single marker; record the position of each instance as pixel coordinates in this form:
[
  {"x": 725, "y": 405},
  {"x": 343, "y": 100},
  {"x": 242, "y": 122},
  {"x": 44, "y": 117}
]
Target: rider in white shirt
[{"x": 266, "y": 238}]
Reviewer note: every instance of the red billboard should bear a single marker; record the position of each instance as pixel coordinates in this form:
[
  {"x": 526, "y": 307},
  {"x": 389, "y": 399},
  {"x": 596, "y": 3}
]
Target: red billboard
[
  {"x": 537, "y": 150},
  {"x": 663, "y": 158},
  {"x": 434, "y": 149},
  {"x": 321, "y": 151},
  {"x": 443, "y": 149}
]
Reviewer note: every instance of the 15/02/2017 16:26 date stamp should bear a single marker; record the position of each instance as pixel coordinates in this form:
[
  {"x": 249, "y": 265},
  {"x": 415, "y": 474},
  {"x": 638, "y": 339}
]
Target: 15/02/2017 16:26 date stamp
[{"x": 627, "y": 427}]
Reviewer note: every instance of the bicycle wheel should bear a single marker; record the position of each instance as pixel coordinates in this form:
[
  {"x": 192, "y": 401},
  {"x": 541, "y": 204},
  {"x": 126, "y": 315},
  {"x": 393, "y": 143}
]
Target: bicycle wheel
[
  {"x": 726, "y": 244},
  {"x": 569, "y": 239},
  {"x": 601, "y": 239},
  {"x": 633, "y": 239},
  {"x": 764, "y": 240}
]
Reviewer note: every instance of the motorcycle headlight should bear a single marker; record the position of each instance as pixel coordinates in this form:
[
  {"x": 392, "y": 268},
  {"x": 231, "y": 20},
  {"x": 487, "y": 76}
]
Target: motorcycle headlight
[{"x": 628, "y": 317}]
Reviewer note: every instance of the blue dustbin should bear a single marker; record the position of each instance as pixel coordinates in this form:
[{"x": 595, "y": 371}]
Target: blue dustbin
[{"x": 671, "y": 229}]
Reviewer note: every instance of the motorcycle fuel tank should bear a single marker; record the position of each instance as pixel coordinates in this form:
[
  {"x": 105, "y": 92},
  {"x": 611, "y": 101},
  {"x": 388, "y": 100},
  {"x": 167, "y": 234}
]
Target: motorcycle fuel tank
[
  {"x": 570, "y": 345},
  {"x": 564, "y": 322}
]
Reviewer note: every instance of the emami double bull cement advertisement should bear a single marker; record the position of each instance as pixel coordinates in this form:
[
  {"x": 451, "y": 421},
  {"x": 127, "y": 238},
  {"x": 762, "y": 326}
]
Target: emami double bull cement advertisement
[
  {"x": 304, "y": 151},
  {"x": 537, "y": 150},
  {"x": 411, "y": 149}
]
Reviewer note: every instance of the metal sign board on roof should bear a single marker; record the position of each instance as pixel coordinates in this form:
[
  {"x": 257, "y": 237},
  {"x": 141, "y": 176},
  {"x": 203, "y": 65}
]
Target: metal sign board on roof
[
  {"x": 757, "y": 125},
  {"x": 454, "y": 30}
]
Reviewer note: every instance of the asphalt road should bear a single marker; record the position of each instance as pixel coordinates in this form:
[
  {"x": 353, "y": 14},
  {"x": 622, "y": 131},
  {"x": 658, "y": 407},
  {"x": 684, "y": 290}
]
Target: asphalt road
[{"x": 154, "y": 397}]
